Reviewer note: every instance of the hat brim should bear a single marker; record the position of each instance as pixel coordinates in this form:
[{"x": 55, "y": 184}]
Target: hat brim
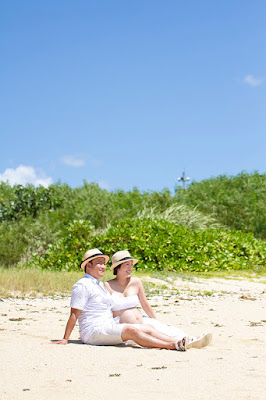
[
  {"x": 113, "y": 266},
  {"x": 85, "y": 262}
]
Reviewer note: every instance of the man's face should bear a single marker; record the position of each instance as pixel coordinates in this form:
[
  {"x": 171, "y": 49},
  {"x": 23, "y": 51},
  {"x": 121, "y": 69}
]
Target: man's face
[{"x": 97, "y": 267}]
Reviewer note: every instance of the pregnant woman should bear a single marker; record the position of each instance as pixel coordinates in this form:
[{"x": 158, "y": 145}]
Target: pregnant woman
[{"x": 128, "y": 291}]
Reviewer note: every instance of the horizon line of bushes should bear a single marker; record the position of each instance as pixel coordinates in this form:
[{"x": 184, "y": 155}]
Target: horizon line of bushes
[
  {"x": 159, "y": 245},
  {"x": 32, "y": 219}
]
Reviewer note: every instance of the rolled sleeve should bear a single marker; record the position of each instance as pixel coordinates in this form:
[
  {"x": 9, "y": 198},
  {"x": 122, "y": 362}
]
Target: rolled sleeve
[{"x": 79, "y": 296}]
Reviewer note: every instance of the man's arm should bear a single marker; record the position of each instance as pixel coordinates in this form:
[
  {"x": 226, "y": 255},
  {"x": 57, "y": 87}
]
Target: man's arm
[{"x": 74, "y": 314}]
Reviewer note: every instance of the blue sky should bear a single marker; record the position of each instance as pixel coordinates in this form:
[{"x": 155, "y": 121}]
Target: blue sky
[{"x": 130, "y": 93}]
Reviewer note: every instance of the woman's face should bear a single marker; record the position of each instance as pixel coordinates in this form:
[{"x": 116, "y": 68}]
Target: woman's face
[{"x": 126, "y": 268}]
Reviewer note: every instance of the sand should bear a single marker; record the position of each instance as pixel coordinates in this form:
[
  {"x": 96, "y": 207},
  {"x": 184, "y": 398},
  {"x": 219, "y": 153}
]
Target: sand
[{"x": 232, "y": 367}]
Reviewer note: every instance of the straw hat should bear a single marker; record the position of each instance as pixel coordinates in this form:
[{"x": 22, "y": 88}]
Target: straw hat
[
  {"x": 121, "y": 256},
  {"x": 91, "y": 255}
]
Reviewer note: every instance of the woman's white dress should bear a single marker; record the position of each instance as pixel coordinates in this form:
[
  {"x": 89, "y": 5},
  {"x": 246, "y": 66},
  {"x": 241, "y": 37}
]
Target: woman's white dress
[{"x": 123, "y": 303}]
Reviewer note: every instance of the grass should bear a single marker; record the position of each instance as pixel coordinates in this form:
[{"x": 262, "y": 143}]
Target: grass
[
  {"x": 225, "y": 274},
  {"x": 17, "y": 282},
  {"x": 157, "y": 288},
  {"x": 20, "y": 282},
  {"x": 182, "y": 215}
]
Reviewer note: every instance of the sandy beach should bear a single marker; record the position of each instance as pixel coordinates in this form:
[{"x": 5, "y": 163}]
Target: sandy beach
[{"x": 232, "y": 367}]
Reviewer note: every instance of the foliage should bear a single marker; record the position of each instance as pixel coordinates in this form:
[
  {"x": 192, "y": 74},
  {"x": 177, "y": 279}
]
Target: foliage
[
  {"x": 159, "y": 245},
  {"x": 102, "y": 207},
  {"x": 19, "y": 239},
  {"x": 33, "y": 220},
  {"x": 66, "y": 253},
  {"x": 182, "y": 215},
  {"x": 6, "y": 192},
  {"x": 238, "y": 202},
  {"x": 28, "y": 200}
]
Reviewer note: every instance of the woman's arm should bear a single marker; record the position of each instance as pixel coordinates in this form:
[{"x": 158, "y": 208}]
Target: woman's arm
[
  {"x": 144, "y": 302},
  {"x": 108, "y": 287},
  {"x": 74, "y": 314}
]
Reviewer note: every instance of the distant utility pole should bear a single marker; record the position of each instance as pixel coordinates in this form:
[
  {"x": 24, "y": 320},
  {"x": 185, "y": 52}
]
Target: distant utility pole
[{"x": 184, "y": 179}]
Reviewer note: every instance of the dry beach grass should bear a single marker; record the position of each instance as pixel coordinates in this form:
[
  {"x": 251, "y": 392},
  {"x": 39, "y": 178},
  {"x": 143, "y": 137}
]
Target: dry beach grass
[{"x": 232, "y": 367}]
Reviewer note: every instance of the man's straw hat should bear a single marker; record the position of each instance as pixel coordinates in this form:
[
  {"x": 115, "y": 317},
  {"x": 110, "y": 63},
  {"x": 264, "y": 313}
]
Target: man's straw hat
[
  {"x": 91, "y": 255},
  {"x": 121, "y": 256}
]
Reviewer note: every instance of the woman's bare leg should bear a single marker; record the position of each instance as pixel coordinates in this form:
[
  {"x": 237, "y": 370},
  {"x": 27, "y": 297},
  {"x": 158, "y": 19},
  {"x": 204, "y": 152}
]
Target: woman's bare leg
[
  {"x": 150, "y": 330},
  {"x": 130, "y": 332}
]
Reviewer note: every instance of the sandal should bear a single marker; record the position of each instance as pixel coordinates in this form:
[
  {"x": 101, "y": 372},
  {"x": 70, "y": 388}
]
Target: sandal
[{"x": 182, "y": 345}]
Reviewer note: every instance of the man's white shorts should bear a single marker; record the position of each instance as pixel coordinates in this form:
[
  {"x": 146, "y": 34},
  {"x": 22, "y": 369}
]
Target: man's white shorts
[{"x": 107, "y": 334}]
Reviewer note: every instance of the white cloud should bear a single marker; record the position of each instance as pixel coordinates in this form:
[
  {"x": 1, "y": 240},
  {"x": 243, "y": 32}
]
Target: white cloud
[
  {"x": 73, "y": 161},
  {"x": 80, "y": 160},
  {"x": 252, "y": 81},
  {"x": 23, "y": 175}
]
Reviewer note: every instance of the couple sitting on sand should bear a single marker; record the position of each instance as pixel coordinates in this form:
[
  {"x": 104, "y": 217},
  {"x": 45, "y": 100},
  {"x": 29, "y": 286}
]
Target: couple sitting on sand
[{"x": 107, "y": 313}]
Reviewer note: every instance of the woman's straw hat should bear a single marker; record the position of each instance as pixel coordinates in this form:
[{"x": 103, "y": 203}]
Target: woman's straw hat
[
  {"x": 90, "y": 255},
  {"x": 121, "y": 256}
]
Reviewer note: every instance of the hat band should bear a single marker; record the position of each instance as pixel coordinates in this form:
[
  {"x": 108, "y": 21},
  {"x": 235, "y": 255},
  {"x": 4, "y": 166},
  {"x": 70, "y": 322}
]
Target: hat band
[
  {"x": 94, "y": 255},
  {"x": 124, "y": 259}
]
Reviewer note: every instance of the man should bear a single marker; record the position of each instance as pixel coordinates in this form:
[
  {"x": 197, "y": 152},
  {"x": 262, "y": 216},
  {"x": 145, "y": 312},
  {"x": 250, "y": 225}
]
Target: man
[{"x": 91, "y": 304}]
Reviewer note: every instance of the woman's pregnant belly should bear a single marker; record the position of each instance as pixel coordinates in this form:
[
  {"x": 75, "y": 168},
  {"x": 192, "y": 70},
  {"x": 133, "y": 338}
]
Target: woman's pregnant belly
[{"x": 129, "y": 316}]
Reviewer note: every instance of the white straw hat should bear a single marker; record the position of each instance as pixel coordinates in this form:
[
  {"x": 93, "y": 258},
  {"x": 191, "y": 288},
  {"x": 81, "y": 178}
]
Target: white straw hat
[
  {"x": 91, "y": 255},
  {"x": 122, "y": 256}
]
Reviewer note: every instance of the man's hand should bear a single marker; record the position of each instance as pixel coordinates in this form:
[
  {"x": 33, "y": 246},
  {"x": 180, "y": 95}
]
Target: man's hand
[
  {"x": 62, "y": 341},
  {"x": 74, "y": 314}
]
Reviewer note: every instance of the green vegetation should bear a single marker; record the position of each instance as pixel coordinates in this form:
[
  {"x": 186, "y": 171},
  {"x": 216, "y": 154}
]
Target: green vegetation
[
  {"x": 158, "y": 244},
  {"x": 182, "y": 215},
  {"x": 24, "y": 282},
  {"x": 27, "y": 201},
  {"x": 216, "y": 225},
  {"x": 238, "y": 202},
  {"x": 17, "y": 282}
]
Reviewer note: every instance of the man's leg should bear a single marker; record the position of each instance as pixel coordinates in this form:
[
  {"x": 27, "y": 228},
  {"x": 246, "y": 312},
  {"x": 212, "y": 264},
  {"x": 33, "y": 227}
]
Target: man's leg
[{"x": 130, "y": 332}]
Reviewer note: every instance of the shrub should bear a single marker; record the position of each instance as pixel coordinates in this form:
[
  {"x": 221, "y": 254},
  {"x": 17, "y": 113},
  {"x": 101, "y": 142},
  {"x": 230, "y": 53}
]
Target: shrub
[
  {"x": 22, "y": 237},
  {"x": 66, "y": 253},
  {"x": 182, "y": 215},
  {"x": 236, "y": 201},
  {"x": 159, "y": 245},
  {"x": 28, "y": 200}
]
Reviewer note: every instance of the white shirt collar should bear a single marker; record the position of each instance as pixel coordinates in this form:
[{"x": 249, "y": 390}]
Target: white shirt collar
[{"x": 91, "y": 277}]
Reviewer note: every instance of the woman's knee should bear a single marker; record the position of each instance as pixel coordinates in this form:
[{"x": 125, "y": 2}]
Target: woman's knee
[
  {"x": 147, "y": 329},
  {"x": 129, "y": 331}
]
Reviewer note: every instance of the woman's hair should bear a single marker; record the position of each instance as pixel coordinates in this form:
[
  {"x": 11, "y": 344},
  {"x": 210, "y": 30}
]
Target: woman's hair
[{"x": 116, "y": 269}]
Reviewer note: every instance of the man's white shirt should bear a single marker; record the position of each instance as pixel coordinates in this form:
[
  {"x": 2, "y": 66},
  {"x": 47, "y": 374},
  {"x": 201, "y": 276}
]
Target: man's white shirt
[{"x": 90, "y": 296}]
